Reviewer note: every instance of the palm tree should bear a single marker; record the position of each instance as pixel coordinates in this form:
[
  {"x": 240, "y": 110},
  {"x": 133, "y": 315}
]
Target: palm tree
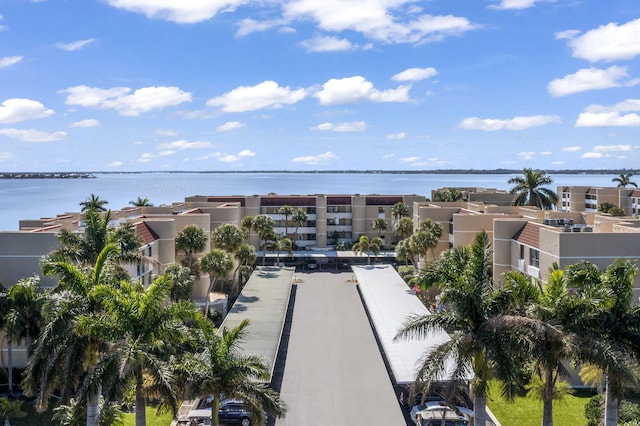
[
  {"x": 21, "y": 317},
  {"x": 404, "y": 227},
  {"x": 141, "y": 330},
  {"x": 624, "y": 179},
  {"x": 61, "y": 357},
  {"x": 483, "y": 334},
  {"x": 245, "y": 255},
  {"x": 263, "y": 225},
  {"x": 94, "y": 203},
  {"x": 141, "y": 202},
  {"x": 217, "y": 263},
  {"x": 616, "y": 324},
  {"x": 403, "y": 252},
  {"x": 528, "y": 190},
  {"x": 379, "y": 225},
  {"x": 222, "y": 369},
  {"x": 181, "y": 282},
  {"x": 426, "y": 238},
  {"x": 284, "y": 244},
  {"x": 299, "y": 217},
  {"x": 286, "y": 211},
  {"x": 191, "y": 240},
  {"x": 368, "y": 246}
]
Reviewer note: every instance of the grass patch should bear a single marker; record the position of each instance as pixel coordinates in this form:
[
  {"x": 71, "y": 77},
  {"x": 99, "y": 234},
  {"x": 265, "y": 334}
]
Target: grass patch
[
  {"x": 528, "y": 412},
  {"x": 163, "y": 419}
]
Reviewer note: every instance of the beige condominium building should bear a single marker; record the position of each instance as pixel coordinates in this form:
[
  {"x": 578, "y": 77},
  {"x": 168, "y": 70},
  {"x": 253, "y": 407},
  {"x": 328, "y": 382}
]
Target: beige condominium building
[{"x": 588, "y": 198}]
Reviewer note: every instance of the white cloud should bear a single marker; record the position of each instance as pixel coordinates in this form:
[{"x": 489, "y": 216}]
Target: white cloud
[
  {"x": 16, "y": 110},
  {"x": 229, "y": 158},
  {"x": 7, "y": 61},
  {"x": 355, "y": 89},
  {"x": 4, "y": 156},
  {"x": 183, "y": 144},
  {"x": 32, "y": 135},
  {"x": 514, "y": 4},
  {"x": 415, "y": 74},
  {"x": 246, "y": 153},
  {"x": 611, "y": 148},
  {"x": 185, "y": 12},
  {"x": 148, "y": 156},
  {"x": 327, "y": 44},
  {"x": 377, "y": 19},
  {"x": 316, "y": 159},
  {"x": 248, "y": 26},
  {"x": 516, "y": 123},
  {"x": 123, "y": 101},
  {"x": 387, "y": 156},
  {"x": 624, "y": 106},
  {"x": 166, "y": 132},
  {"x": 607, "y": 119},
  {"x": 116, "y": 164},
  {"x": 566, "y": 34},
  {"x": 75, "y": 45},
  {"x": 229, "y": 126},
  {"x": 397, "y": 136},
  {"x": 592, "y": 155},
  {"x": 410, "y": 159},
  {"x": 353, "y": 126},
  {"x": 609, "y": 42},
  {"x": 263, "y": 95},
  {"x": 526, "y": 155},
  {"x": 91, "y": 122},
  {"x": 572, "y": 149},
  {"x": 590, "y": 79}
]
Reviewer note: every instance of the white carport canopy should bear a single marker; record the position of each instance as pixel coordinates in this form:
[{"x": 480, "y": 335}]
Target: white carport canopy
[{"x": 390, "y": 302}]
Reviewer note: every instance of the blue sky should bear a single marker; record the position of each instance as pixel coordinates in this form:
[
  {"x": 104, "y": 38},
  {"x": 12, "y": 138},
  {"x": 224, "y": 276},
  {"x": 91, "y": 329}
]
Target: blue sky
[{"x": 135, "y": 85}]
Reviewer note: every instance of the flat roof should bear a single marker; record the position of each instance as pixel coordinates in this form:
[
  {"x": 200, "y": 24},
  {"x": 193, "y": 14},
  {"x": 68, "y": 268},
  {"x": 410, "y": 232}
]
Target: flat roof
[
  {"x": 390, "y": 302},
  {"x": 264, "y": 301}
]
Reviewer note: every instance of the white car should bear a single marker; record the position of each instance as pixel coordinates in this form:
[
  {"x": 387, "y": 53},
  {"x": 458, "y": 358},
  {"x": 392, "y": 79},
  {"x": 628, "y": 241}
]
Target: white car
[{"x": 439, "y": 413}]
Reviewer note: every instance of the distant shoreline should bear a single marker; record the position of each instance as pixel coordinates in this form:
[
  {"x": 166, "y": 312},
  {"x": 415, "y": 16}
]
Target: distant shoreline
[{"x": 91, "y": 175}]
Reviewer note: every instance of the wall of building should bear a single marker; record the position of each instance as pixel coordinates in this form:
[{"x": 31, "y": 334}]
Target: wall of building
[{"x": 20, "y": 255}]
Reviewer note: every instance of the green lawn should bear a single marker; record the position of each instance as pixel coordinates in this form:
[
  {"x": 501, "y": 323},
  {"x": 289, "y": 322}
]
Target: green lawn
[
  {"x": 528, "y": 412},
  {"x": 152, "y": 419},
  {"x": 37, "y": 419}
]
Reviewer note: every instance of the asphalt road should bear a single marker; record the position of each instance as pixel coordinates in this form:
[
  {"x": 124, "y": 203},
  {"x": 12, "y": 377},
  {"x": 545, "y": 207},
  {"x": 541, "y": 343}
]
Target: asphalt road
[{"x": 333, "y": 374}]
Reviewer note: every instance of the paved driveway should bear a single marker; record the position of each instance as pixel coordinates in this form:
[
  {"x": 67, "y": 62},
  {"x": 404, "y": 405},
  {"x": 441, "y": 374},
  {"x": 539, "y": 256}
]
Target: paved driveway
[{"x": 334, "y": 374}]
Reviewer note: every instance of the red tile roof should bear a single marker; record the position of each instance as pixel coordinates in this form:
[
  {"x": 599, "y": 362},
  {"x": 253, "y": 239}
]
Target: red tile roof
[
  {"x": 145, "y": 234},
  {"x": 529, "y": 235}
]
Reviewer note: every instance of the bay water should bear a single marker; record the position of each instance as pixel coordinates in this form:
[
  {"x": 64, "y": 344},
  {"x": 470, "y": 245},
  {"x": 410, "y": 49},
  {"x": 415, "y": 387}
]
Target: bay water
[{"x": 36, "y": 198}]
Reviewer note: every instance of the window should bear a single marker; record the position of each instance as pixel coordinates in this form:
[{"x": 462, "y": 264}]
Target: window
[
  {"x": 521, "y": 251},
  {"x": 534, "y": 258}
]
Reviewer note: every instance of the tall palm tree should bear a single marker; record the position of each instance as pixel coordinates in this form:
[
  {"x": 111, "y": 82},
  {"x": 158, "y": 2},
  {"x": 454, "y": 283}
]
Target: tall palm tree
[
  {"x": 181, "y": 282},
  {"x": 404, "y": 227},
  {"x": 286, "y": 211},
  {"x": 368, "y": 246},
  {"x": 398, "y": 211},
  {"x": 616, "y": 323},
  {"x": 528, "y": 190},
  {"x": 263, "y": 225},
  {"x": 142, "y": 330},
  {"x": 624, "y": 179},
  {"x": 483, "y": 334},
  {"x": 217, "y": 263},
  {"x": 222, "y": 369},
  {"x": 141, "y": 202},
  {"x": 283, "y": 244},
  {"x": 61, "y": 357},
  {"x": 21, "y": 317},
  {"x": 245, "y": 255},
  {"x": 191, "y": 240},
  {"x": 93, "y": 202},
  {"x": 426, "y": 238},
  {"x": 380, "y": 225},
  {"x": 299, "y": 217}
]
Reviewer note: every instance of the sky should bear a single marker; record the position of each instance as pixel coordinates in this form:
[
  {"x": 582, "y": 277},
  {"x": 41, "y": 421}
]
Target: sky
[{"x": 241, "y": 85}]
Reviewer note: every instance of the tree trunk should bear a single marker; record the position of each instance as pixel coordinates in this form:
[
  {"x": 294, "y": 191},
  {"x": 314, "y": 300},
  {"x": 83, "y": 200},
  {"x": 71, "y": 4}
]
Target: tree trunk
[
  {"x": 480, "y": 415},
  {"x": 141, "y": 402},
  {"x": 212, "y": 283},
  {"x": 10, "y": 363},
  {"x": 93, "y": 407},
  {"x": 215, "y": 406},
  {"x": 610, "y": 405},
  {"x": 547, "y": 398}
]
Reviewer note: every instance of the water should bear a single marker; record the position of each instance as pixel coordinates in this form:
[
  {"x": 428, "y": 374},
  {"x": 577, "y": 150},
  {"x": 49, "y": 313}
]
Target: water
[{"x": 36, "y": 198}]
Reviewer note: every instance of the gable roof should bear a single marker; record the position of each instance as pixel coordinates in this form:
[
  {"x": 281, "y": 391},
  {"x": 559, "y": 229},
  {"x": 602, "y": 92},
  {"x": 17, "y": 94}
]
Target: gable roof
[
  {"x": 529, "y": 234},
  {"x": 145, "y": 234}
]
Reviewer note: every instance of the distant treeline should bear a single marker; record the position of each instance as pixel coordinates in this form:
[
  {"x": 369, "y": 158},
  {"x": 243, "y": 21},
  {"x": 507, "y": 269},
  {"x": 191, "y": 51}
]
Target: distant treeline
[{"x": 52, "y": 175}]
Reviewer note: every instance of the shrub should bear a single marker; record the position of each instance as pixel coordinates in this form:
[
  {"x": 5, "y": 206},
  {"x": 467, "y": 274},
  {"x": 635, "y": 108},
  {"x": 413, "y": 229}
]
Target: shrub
[{"x": 594, "y": 410}]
